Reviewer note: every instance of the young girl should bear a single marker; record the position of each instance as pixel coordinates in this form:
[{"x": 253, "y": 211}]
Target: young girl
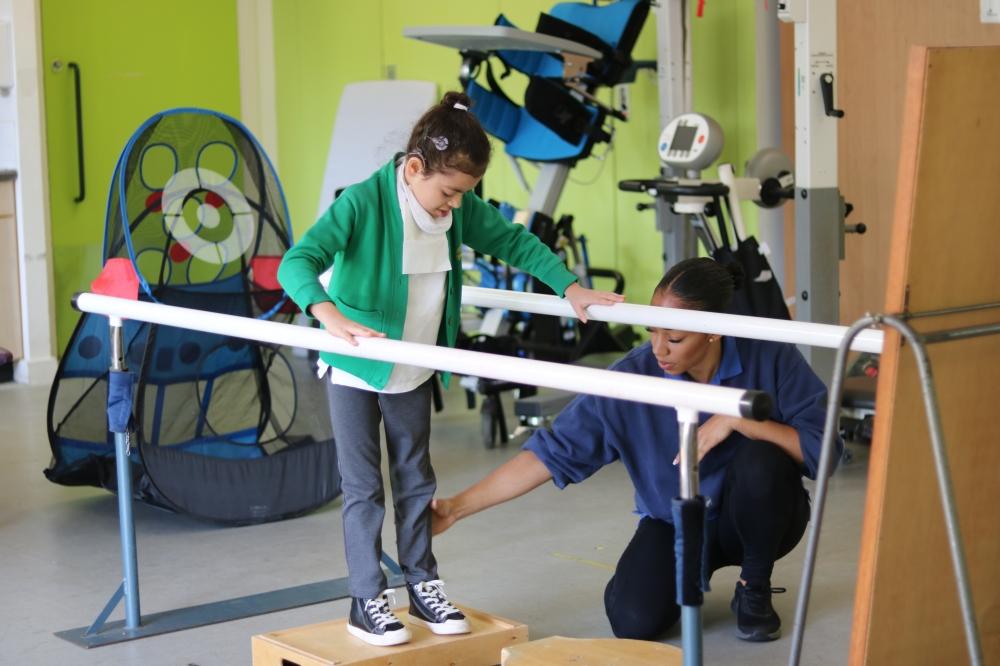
[
  {"x": 395, "y": 243},
  {"x": 751, "y": 471}
]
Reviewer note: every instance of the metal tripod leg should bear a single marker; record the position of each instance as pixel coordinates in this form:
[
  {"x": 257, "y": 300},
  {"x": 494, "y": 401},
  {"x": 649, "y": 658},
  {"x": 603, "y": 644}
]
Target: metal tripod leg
[{"x": 943, "y": 475}]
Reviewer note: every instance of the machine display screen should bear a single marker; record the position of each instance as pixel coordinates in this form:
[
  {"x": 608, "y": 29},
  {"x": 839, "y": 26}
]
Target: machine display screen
[{"x": 683, "y": 138}]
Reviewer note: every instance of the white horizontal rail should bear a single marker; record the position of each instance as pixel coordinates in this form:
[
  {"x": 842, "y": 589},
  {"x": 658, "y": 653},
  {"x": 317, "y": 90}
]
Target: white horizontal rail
[
  {"x": 760, "y": 328},
  {"x": 681, "y": 395}
]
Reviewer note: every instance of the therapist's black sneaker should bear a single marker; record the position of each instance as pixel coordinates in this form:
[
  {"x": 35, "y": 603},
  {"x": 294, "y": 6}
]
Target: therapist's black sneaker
[
  {"x": 430, "y": 607},
  {"x": 756, "y": 619},
  {"x": 373, "y": 621}
]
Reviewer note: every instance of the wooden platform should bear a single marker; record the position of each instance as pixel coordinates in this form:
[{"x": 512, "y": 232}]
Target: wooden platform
[
  {"x": 329, "y": 644},
  {"x": 556, "y": 650}
]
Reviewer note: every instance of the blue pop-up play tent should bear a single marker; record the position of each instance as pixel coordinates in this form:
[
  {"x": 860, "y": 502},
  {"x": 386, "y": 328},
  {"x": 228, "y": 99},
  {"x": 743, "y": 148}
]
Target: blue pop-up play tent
[{"x": 224, "y": 428}]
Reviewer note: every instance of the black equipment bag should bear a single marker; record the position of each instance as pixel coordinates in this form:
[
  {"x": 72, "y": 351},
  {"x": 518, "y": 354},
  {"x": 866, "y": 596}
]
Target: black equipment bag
[{"x": 760, "y": 294}]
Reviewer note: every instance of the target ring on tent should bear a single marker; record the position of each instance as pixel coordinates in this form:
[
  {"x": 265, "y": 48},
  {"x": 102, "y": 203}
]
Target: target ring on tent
[{"x": 220, "y": 191}]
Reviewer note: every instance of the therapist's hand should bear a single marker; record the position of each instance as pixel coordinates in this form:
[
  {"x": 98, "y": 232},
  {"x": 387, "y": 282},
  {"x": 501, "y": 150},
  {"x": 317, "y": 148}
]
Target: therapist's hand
[{"x": 443, "y": 515}]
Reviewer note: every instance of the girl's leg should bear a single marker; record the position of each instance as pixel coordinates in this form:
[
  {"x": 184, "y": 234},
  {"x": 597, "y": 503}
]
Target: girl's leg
[
  {"x": 640, "y": 598},
  {"x": 764, "y": 511},
  {"x": 355, "y": 417},
  {"x": 407, "y": 419}
]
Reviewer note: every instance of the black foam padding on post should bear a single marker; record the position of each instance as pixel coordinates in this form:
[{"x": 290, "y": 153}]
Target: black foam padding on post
[{"x": 689, "y": 538}]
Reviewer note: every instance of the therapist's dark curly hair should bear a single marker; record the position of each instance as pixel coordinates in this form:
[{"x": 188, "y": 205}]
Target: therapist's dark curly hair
[
  {"x": 701, "y": 284},
  {"x": 449, "y": 136}
]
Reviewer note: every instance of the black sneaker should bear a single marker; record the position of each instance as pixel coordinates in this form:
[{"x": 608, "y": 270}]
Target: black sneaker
[
  {"x": 755, "y": 617},
  {"x": 430, "y": 607},
  {"x": 372, "y": 621}
]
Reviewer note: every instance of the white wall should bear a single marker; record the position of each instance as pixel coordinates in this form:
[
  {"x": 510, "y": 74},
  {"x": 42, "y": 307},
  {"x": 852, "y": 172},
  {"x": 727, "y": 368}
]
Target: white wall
[
  {"x": 8, "y": 103},
  {"x": 25, "y": 108}
]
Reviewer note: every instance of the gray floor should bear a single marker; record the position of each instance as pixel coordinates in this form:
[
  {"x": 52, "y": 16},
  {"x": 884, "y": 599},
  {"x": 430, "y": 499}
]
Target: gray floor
[{"x": 542, "y": 559}]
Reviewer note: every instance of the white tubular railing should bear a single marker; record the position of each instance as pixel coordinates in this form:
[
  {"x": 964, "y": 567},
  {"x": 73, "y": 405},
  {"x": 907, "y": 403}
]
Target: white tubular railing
[
  {"x": 760, "y": 328},
  {"x": 689, "y": 396}
]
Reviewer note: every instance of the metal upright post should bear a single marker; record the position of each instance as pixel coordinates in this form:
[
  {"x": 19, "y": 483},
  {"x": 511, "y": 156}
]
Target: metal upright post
[
  {"x": 126, "y": 525},
  {"x": 691, "y": 631},
  {"x": 768, "y": 78},
  {"x": 819, "y": 222},
  {"x": 548, "y": 188},
  {"x": 673, "y": 71}
]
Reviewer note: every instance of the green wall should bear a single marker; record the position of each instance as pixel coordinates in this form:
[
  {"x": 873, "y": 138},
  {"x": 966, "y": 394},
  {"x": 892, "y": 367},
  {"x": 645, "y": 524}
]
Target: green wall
[
  {"x": 135, "y": 59},
  {"x": 138, "y": 59},
  {"x": 320, "y": 46}
]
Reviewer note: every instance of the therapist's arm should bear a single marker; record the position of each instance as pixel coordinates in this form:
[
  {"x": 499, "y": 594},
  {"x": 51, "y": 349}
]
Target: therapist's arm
[
  {"x": 717, "y": 428},
  {"x": 519, "y": 475},
  {"x": 784, "y": 436}
]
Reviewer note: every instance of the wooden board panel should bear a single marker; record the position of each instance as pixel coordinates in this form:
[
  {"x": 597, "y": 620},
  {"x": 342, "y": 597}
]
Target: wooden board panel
[
  {"x": 874, "y": 39},
  {"x": 947, "y": 200},
  {"x": 558, "y": 650},
  {"x": 328, "y": 643}
]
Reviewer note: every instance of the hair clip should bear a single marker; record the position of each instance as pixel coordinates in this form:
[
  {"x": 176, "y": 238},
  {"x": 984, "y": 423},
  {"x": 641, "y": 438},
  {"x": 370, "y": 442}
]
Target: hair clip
[
  {"x": 460, "y": 106},
  {"x": 440, "y": 142}
]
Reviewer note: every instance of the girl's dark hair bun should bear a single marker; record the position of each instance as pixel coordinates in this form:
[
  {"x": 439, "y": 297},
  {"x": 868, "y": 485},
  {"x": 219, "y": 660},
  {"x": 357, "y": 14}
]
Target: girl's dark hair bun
[
  {"x": 453, "y": 97},
  {"x": 735, "y": 271}
]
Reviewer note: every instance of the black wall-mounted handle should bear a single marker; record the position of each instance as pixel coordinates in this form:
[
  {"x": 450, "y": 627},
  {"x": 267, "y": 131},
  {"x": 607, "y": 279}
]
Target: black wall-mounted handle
[
  {"x": 79, "y": 131},
  {"x": 826, "y": 87}
]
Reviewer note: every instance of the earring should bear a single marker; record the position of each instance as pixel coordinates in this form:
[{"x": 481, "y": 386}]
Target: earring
[{"x": 711, "y": 339}]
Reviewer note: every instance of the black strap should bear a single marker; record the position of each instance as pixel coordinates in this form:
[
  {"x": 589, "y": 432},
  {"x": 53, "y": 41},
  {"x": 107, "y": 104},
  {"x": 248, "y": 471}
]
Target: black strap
[{"x": 492, "y": 82}]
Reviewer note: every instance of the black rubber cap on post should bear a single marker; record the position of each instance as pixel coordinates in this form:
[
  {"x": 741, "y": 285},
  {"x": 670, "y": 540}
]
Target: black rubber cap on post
[{"x": 756, "y": 405}]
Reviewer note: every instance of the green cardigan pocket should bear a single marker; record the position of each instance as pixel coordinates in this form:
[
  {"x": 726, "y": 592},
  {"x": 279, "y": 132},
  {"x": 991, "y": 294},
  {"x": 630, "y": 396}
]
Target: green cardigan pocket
[{"x": 373, "y": 319}]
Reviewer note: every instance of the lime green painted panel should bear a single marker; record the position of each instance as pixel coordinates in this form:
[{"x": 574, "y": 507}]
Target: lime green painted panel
[
  {"x": 639, "y": 245},
  {"x": 136, "y": 59},
  {"x": 319, "y": 47},
  {"x": 724, "y": 70}
]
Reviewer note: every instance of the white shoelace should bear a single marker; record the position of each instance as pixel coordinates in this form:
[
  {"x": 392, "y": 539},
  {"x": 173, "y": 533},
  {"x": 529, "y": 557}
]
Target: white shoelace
[
  {"x": 431, "y": 592},
  {"x": 379, "y": 609}
]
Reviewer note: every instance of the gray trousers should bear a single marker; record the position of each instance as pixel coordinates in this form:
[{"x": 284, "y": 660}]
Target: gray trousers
[{"x": 355, "y": 415}]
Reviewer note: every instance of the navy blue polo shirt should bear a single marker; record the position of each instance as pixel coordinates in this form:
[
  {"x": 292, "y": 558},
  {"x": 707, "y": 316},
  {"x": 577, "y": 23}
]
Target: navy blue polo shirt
[{"x": 592, "y": 432}]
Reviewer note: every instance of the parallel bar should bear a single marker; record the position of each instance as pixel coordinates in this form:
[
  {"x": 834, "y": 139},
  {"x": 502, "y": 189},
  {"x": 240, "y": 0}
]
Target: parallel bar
[
  {"x": 626, "y": 386},
  {"x": 760, "y": 328}
]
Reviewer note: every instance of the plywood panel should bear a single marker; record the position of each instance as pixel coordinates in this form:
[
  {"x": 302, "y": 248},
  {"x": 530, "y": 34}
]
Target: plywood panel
[
  {"x": 559, "y": 651},
  {"x": 907, "y": 608},
  {"x": 874, "y": 39},
  {"x": 328, "y": 643}
]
